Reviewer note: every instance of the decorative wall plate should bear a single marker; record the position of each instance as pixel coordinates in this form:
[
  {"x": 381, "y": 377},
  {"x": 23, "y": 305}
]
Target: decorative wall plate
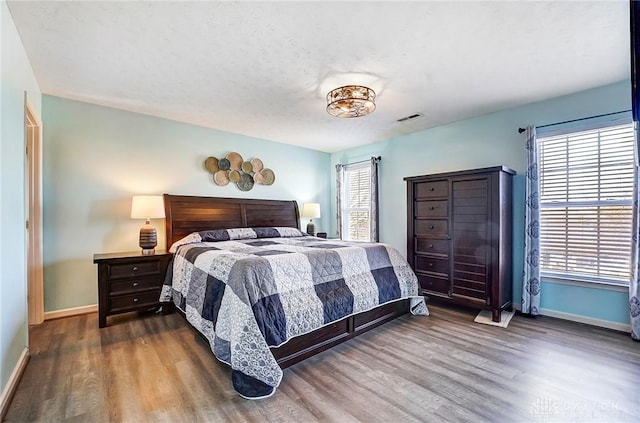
[
  {"x": 247, "y": 167},
  {"x": 246, "y": 182},
  {"x": 234, "y": 175},
  {"x": 221, "y": 177},
  {"x": 224, "y": 164},
  {"x": 257, "y": 164},
  {"x": 258, "y": 178},
  {"x": 235, "y": 160},
  {"x": 211, "y": 164},
  {"x": 269, "y": 176}
]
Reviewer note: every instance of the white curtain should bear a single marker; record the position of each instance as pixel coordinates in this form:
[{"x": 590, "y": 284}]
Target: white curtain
[{"x": 531, "y": 274}]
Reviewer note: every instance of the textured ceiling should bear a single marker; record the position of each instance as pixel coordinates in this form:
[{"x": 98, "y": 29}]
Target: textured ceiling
[{"x": 263, "y": 68}]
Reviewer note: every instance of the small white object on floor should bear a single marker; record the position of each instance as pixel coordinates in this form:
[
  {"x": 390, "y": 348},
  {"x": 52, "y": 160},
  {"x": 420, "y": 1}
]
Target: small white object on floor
[{"x": 484, "y": 317}]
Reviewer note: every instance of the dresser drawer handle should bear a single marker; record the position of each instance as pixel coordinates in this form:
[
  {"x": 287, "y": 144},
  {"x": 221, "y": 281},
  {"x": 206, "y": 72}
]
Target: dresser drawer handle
[
  {"x": 135, "y": 300},
  {"x": 135, "y": 284},
  {"x": 430, "y": 245},
  {"x": 432, "y": 189},
  {"x": 135, "y": 268},
  {"x": 430, "y": 226},
  {"x": 432, "y": 208},
  {"x": 430, "y": 264}
]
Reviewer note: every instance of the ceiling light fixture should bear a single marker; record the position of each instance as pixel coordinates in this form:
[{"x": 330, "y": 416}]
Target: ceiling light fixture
[{"x": 351, "y": 101}]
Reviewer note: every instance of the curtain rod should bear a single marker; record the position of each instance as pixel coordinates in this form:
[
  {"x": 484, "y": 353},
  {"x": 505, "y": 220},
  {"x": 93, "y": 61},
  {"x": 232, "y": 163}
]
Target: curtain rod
[
  {"x": 362, "y": 161},
  {"x": 521, "y": 130}
]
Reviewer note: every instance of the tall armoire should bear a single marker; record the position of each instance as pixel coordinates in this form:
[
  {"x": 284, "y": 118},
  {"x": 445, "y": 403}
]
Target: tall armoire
[{"x": 459, "y": 236}]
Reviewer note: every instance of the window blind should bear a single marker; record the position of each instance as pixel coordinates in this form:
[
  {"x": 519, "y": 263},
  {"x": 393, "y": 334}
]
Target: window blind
[
  {"x": 586, "y": 195},
  {"x": 357, "y": 207}
]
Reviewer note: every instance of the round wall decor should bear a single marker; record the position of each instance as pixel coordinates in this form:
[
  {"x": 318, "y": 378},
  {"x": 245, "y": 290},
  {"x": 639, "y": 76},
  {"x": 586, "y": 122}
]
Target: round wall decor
[{"x": 245, "y": 174}]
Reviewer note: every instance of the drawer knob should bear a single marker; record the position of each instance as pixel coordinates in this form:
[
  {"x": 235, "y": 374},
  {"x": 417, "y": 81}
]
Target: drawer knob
[
  {"x": 430, "y": 245},
  {"x": 135, "y": 300},
  {"x": 432, "y": 208},
  {"x": 135, "y": 268},
  {"x": 135, "y": 284},
  {"x": 430, "y": 226},
  {"x": 430, "y": 264},
  {"x": 431, "y": 189}
]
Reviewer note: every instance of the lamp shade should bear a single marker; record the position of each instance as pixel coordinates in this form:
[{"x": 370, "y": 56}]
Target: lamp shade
[
  {"x": 311, "y": 210},
  {"x": 147, "y": 207}
]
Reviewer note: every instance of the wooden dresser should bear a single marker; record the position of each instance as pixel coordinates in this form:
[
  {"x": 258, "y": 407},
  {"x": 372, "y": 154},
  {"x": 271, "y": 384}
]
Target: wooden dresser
[
  {"x": 129, "y": 282},
  {"x": 459, "y": 236}
]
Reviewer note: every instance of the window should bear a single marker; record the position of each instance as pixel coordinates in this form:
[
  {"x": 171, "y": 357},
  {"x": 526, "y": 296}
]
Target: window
[
  {"x": 586, "y": 196},
  {"x": 356, "y": 206}
]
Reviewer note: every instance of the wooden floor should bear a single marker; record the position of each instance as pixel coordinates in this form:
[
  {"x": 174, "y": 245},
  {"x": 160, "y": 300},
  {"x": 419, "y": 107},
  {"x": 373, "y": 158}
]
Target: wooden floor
[{"x": 425, "y": 369}]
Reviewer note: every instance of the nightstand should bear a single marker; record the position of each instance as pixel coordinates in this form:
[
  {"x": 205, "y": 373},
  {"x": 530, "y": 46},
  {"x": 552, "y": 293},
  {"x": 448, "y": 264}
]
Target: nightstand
[{"x": 129, "y": 282}]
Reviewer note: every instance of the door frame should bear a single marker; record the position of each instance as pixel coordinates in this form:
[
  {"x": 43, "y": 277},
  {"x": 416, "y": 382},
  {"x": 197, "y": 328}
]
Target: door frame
[{"x": 33, "y": 212}]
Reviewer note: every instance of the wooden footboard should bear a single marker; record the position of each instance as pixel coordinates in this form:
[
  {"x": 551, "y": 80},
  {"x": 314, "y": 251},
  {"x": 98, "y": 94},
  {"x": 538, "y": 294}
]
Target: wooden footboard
[
  {"x": 305, "y": 346},
  {"x": 312, "y": 343}
]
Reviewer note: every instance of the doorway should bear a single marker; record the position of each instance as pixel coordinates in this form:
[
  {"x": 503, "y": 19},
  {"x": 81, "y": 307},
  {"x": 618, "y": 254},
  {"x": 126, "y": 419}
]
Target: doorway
[{"x": 33, "y": 208}]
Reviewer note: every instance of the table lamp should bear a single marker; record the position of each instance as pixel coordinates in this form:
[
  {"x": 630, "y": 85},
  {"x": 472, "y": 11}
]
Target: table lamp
[
  {"x": 311, "y": 210},
  {"x": 147, "y": 207}
]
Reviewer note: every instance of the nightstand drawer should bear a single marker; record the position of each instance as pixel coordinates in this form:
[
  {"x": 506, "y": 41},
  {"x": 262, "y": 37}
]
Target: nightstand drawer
[
  {"x": 131, "y": 270},
  {"x": 134, "y": 301},
  {"x": 131, "y": 285}
]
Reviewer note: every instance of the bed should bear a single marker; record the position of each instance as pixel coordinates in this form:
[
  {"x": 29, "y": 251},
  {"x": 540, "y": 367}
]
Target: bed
[{"x": 265, "y": 295}]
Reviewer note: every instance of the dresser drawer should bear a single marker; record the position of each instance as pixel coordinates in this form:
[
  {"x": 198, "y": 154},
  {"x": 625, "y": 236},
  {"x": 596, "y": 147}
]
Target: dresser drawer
[
  {"x": 434, "y": 283},
  {"x": 433, "y": 208},
  {"x": 432, "y": 227},
  {"x": 432, "y": 189},
  {"x": 131, "y": 285},
  {"x": 129, "y": 270},
  {"x": 433, "y": 265},
  {"x": 432, "y": 246},
  {"x": 134, "y": 301}
]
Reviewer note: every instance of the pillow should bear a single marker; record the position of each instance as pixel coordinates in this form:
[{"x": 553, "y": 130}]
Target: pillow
[
  {"x": 249, "y": 233},
  {"x": 216, "y": 235}
]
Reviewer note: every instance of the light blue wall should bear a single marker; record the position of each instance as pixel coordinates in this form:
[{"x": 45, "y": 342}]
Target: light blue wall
[
  {"x": 612, "y": 306},
  {"x": 485, "y": 141},
  {"x": 96, "y": 158},
  {"x": 16, "y": 78}
]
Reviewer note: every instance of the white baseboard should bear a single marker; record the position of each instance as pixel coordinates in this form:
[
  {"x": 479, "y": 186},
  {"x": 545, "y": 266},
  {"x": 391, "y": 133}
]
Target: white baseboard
[
  {"x": 12, "y": 383},
  {"x": 608, "y": 324},
  {"x": 75, "y": 311},
  {"x": 622, "y": 327}
]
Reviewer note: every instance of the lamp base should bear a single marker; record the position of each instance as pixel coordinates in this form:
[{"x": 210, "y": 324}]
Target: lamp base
[
  {"x": 311, "y": 228},
  {"x": 148, "y": 239}
]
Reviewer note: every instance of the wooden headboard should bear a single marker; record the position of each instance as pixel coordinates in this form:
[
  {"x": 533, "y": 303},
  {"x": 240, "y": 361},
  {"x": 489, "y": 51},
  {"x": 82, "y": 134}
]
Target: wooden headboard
[{"x": 186, "y": 214}]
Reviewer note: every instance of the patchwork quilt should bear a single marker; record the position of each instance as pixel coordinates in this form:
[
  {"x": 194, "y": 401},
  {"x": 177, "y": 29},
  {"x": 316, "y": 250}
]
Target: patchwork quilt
[{"x": 250, "y": 289}]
